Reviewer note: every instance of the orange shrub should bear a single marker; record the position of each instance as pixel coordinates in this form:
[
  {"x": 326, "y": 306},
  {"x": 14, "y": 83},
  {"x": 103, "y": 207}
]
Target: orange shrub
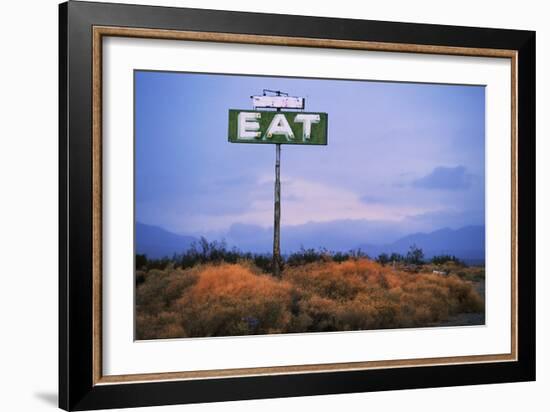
[
  {"x": 237, "y": 299},
  {"x": 229, "y": 299},
  {"x": 367, "y": 295},
  {"x": 160, "y": 288},
  {"x": 162, "y": 326}
]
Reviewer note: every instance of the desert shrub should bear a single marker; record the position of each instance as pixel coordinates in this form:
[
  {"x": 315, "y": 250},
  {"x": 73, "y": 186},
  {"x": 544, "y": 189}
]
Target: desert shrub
[
  {"x": 304, "y": 256},
  {"x": 415, "y": 255},
  {"x": 442, "y": 259},
  {"x": 458, "y": 268},
  {"x": 141, "y": 261},
  {"x": 140, "y": 277},
  {"x": 473, "y": 274},
  {"x": 367, "y": 295},
  {"x": 321, "y": 312},
  {"x": 204, "y": 251},
  {"x": 160, "y": 288},
  {"x": 396, "y": 257},
  {"x": 230, "y": 299},
  {"x": 164, "y": 325},
  {"x": 224, "y": 299},
  {"x": 383, "y": 258},
  {"x": 338, "y": 281},
  {"x": 263, "y": 262}
]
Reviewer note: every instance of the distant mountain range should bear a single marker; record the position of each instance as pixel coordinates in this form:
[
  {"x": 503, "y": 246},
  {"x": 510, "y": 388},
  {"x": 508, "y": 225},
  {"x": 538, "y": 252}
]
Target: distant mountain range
[
  {"x": 156, "y": 242},
  {"x": 467, "y": 243}
]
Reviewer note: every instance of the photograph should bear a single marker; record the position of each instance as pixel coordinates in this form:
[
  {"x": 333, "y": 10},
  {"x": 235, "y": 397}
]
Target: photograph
[{"x": 291, "y": 205}]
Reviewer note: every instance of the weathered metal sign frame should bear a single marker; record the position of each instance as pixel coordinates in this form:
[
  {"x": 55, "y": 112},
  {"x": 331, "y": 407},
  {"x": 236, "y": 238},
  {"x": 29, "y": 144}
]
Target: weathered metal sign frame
[{"x": 277, "y": 127}]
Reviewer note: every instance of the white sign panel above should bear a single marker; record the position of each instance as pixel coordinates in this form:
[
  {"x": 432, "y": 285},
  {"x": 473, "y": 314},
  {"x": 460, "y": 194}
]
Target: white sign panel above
[{"x": 278, "y": 102}]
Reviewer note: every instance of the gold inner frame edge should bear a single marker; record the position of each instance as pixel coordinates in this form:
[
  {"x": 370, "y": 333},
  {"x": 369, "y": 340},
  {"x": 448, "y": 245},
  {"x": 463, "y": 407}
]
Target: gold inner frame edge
[{"x": 101, "y": 31}]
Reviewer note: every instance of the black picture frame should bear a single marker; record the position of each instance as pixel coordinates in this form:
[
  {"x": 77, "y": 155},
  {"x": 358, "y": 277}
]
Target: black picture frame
[{"x": 77, "y": 390}]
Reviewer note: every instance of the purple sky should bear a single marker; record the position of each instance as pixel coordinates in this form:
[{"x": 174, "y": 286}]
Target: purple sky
[{"x": 400, "y": 157}]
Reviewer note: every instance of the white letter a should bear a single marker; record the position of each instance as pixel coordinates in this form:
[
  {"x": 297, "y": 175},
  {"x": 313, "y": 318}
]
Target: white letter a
[{"x": 279, "y": 125}]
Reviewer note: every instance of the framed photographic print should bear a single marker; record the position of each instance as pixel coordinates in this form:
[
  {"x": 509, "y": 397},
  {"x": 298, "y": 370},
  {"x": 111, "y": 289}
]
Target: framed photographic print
[{"x": 256, "y": 205}]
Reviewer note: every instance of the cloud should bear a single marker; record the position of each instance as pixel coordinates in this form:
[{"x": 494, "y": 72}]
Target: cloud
[
  {"x": 370, "y": 199},
  {"x": 445, "y": 178},
  {"x": 303, "y": 201}
]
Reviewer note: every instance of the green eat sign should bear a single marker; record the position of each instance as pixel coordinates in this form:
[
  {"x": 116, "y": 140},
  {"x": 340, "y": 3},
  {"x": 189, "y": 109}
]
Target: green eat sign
[{"x": 254, "y": 126}]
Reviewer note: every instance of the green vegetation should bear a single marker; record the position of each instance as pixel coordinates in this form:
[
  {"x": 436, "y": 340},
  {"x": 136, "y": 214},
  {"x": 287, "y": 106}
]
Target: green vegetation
[{"x": 217, "y": 252}]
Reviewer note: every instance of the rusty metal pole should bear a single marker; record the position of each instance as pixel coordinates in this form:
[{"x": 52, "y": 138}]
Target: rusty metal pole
[{"x": 277, "y": 262}]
